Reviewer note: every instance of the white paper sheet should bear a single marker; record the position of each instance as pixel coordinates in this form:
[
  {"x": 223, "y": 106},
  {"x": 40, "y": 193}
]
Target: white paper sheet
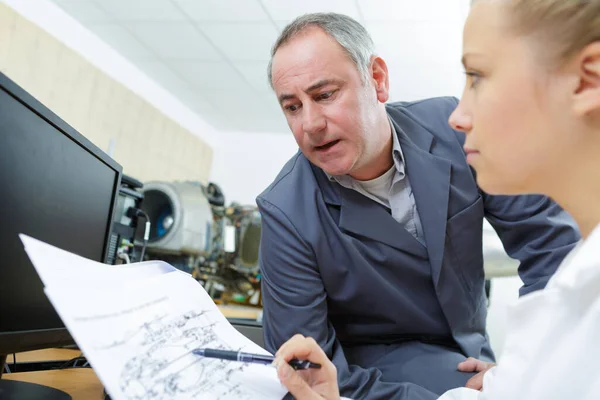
[
  {"x": 137, "y": 326},
  {"x": 60, "y": 268}
]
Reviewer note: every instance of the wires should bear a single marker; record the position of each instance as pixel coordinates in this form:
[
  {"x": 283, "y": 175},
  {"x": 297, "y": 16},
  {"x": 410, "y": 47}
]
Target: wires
[
  {"x": 3, "y": 365},
  {"x": 124, "y": 257},
  {"x": 146, "y": 232},
  {"x": 74, "y": 361},
  {"x": 131, "y": 212}
]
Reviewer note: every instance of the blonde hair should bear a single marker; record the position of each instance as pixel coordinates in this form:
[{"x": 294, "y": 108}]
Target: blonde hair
[{"x": 563, "y": 27}]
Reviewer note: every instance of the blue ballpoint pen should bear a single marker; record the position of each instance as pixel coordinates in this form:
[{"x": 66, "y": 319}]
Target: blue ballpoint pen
[{"x": 251, "y": 358}]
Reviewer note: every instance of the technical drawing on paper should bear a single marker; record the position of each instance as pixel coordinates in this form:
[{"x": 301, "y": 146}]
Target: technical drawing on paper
[
  {"x": 138, "y": 325},
  {"x": 165, "y": 367}
]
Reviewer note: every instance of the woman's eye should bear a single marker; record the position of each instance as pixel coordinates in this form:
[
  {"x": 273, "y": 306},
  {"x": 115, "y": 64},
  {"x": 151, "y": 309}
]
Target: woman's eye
[{"x": 474, "y": 77}]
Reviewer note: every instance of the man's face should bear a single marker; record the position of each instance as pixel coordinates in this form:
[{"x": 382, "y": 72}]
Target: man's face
[{"x": 329, "y": 109}]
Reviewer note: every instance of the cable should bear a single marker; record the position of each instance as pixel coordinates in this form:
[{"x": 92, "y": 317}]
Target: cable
[
  {"x": 125, "y": 257},
  {"x": 146, "y": 232},
  {"x": 72, "y": 360},
  {"x": 132, "y": 211}
]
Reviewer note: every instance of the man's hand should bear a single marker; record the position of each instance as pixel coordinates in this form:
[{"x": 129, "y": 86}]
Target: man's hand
[
  {"x": 474, "y": 365},
  {"x": 309, "y": 384}
]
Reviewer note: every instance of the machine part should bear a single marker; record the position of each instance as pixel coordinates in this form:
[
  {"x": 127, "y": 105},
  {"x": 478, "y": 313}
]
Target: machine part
[
  {"x": 249, "y": 243},
  {"x": 180, "y": 216},
  {"x": 215, "y": 195},
  {"x": 124, "y": 222}
]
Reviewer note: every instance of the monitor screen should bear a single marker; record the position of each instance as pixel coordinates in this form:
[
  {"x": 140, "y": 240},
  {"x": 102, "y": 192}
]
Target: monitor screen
[{"x": 56, "y": 187}]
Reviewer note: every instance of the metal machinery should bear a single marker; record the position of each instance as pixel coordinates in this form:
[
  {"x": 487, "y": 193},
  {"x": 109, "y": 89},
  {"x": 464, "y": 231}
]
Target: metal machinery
[
  {"x": 125, "y": 222},
  {"x": 193, "y": 230}
]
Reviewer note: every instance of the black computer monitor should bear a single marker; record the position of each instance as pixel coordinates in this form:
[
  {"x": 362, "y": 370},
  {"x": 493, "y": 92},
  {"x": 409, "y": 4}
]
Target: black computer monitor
[{"x": 55, "y": 186}]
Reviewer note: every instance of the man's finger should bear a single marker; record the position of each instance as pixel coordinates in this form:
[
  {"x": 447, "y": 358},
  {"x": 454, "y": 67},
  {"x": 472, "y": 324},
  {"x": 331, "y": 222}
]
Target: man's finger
[
  {"x": 472, "y": 365},
  {"x": 294, "y": 382},
  {"x": 291, "y": 343},
  {"x": 302, "y": 348},
  {"x": 476, "y": 382}
]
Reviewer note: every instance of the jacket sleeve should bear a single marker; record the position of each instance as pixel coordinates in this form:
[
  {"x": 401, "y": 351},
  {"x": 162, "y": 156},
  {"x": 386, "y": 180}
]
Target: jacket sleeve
[
  {"x": 295, "y": 301},
  {"x": 534, "y": 230}
]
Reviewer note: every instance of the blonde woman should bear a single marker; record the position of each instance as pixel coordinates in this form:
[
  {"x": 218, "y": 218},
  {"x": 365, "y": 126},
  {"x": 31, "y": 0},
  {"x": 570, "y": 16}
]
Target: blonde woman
[{"x": 531, "y": 114}]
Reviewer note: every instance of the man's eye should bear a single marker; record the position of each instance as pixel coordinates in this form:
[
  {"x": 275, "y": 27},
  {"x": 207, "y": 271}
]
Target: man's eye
[
  {"x": 325, "y": 96},
  {"x": 291, "y": 108}
]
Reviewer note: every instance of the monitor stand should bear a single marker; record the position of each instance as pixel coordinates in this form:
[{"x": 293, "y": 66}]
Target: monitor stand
[{"x": 10, "y": 390}]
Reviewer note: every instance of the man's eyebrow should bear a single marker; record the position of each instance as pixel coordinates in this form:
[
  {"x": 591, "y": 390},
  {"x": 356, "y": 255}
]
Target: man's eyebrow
[
  {"x": 285, "y": 97},
  {"x": 315, "y": 86},
  {"x": 320, "y": 84}
]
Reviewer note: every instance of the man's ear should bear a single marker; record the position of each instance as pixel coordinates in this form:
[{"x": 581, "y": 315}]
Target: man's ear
[
  {"x": 381, "y": 80},
  {"x": 587, "y": 95}
]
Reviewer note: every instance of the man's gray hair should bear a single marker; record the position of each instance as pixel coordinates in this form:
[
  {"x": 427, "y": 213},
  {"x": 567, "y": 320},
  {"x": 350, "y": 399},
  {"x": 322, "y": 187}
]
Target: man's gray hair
[{"x": 349, "y": 33}]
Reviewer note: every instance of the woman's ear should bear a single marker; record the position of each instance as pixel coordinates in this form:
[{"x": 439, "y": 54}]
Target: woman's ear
[
  {"x": 587, "y": 95},
  {"x": 381, "y": 79}
]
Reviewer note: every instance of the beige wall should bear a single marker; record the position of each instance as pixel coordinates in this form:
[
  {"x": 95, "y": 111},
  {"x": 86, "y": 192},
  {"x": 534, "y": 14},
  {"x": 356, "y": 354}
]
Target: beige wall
[{"x": 149, "y": 145}]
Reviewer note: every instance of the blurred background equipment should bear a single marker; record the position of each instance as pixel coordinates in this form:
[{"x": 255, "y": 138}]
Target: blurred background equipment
[
  {"x": 180, "y": 217},
  {"x": 193, "y": 230},
  {"x": 122, "y": 247}
]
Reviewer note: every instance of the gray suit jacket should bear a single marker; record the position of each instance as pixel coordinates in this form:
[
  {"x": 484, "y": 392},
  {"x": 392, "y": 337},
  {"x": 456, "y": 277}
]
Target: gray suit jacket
[{"x": 332, "y": 260}]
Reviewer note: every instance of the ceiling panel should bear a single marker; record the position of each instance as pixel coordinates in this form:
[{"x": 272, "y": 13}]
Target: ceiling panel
[
  {"x": 242, "y": 41},
  {"x": 161, "y": 73},
  {"x": 245, "y": 100},
  {"x": 213, "y": 54},
  {"x": 121, "y": 40},
  {"x": 283, "y": 10},
  {"x": 174, "y": 40},
  {"x": 142, "y": 10},
  {"x": 85, "y": 11},
  {"x": 403, "y": 10},
  {"x": 196, "y": 101},
  {"x": 255, "y": 73},
  {"x": 244, "y": 111},
  {"x": 223, "y": 10},
  {"x": 211, "y": 75},
  {"x": 281, "y": 24}
]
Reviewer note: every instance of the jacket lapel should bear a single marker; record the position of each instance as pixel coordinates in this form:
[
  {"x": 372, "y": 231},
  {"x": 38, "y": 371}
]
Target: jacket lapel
[
  {"x": 363, "y": 217},
  {"x": 429, "y": 178}
]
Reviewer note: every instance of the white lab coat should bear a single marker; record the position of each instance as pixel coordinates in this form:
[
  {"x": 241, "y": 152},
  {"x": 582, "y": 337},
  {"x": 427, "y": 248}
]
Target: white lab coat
[{"x": 552, "y": 349}]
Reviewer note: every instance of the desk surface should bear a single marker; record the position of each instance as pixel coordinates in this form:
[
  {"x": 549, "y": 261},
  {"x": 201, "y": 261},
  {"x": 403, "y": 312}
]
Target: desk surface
[
  {"x": 44, "y": 355},
  {"x": 80, "y": 383},
  {"x": 238, "y": 311}
]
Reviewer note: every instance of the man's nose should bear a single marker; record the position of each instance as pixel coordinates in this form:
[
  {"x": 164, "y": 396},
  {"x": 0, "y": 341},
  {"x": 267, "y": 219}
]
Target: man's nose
[
  {"x": 314, "y": 120},
  {"x": 460, "y": 119}
]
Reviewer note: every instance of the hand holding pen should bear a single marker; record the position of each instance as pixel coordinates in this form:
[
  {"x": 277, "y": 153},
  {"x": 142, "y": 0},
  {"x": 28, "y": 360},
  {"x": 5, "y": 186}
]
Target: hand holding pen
[
  {"x": 251, "y": 358},
  {"x": 311, "y": 383}
]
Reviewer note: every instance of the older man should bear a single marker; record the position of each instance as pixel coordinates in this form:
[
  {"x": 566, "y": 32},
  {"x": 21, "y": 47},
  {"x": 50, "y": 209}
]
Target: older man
[{"x": 372, "y": 233}]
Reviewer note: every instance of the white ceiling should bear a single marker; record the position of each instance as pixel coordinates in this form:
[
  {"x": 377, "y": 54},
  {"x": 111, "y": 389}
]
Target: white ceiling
[{"x": 213, "y": 54}]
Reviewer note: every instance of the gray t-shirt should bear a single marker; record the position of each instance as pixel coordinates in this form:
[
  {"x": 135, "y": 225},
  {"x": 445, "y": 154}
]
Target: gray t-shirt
[{"x": 392, "y": 189}]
